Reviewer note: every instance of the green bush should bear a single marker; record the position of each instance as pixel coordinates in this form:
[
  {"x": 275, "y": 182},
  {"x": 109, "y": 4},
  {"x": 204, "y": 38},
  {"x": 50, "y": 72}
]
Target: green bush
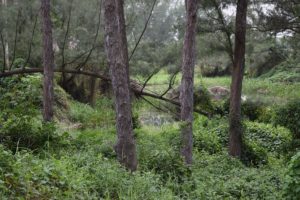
[
  {"x": 135, "y": 121},
  {"x": 259, "y": 139},
  {"x": 207, "y": 141},
  {"x": 273, "y": 139},
  {"x": 202, "y": 99},
  {"x": 252, "y": 110},
  {"x": 26, "y": 132},
  {"x": 263, "y": 139},
  {"x": 289, "y": 117},
  {"x": 18, "y": 63},
  {"x": 20, "y": 117},
  {"x": 161, "y": 154},
  {"x": 219, "y": 177},
  {"x": 292, "y": 183},
  {"x": 20, "y": 95},
  {"x": 102, "y": 115},
  {"x": 253, "y": 154},
  {"x": 287, "y": 71},
  {"x": 6, "y": 160}
]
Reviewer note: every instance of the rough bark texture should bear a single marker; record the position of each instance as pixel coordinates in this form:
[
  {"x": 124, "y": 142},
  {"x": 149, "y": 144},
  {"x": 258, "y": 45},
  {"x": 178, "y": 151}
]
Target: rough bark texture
[
  {"x": 235, "y": 124},
  {"x": 48, "y": 61},
  {"x": 117, "y": 54},
  {"x": 187, "y": 82}
]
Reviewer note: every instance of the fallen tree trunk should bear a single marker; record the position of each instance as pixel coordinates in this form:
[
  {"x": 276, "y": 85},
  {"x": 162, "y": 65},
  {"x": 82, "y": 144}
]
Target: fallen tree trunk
[{"x": 135, "y": 87}]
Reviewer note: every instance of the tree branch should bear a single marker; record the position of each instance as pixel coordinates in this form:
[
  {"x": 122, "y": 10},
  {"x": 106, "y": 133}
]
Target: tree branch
[
  {"x": 134, "y": 86},
  {"x": 144, "y": 30},
  {"x": 31, "y": 41}
]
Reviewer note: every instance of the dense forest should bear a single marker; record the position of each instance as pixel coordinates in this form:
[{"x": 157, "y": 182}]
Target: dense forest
[{"x": 156, "y": 99}]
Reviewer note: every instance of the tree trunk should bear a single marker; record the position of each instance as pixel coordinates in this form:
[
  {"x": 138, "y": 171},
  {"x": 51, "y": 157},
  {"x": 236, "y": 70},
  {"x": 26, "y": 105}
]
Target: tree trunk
[
  {"x": 187, "y": 82},
  {"x": 48, "y": 61},
  {"x": 5, "y": 40},
  {"x": 235, "y": 121},
  {"x": 92, "y": 94},
  {"x": 117, "y": 55}
]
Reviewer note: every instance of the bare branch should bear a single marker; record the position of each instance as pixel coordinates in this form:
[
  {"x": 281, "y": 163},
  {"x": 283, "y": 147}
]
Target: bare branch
[
  {"x": 149, "y": 78},
  {"x": 144, "y": 30},
  {"x": 65, "y": 40},
  {"x": 16, "y": 38},
  {"x": 171, "y": 83},
  {"x": 81, "y": 65},
  {"x": 31, "y": 40}
]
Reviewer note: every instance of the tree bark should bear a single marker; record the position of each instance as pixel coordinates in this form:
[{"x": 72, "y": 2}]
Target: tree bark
[
  {"x": 48, "y": 61},
  {"x": 92, "y": 94},
  {"x": 117, "y": 55},
  {"x": 187, "y": 82},
  {"x": 5, "y": 40},
  {"x": 235, "y": 121}
]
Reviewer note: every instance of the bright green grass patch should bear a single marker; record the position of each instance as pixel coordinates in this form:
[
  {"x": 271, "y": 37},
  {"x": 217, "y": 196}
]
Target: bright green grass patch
[{"x": 260, "y": 89}]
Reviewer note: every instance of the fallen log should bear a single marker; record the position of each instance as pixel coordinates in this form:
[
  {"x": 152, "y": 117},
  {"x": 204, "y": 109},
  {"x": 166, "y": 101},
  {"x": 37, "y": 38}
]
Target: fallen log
[{"x": 135, "y": 87}]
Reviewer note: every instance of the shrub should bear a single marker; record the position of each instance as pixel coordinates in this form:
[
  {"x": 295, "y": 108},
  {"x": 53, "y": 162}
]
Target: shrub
[
  {"x": 292, "y": 186},
  {"x": 289, "y": 117},
  {"x": 18, "y": 63},
  {"x": 160, "y": 154},
  {"x": 20, "y": 95},
  {"x": 6, "y": 160},
  {"x": 260, "y": 139},
  {"x": 26, "y": 132},
  {"x": 220, "y": 177},
  {"x": 102, "y": 115},
  {"x": 273, "y": 139},
  {"x": 135, "y": 121},
  {"x": 202, "y": 99},
  {"x": 207, "y": 141},
  {"x": 252, "y": 110},
  {"x": 253, "y": 154}
]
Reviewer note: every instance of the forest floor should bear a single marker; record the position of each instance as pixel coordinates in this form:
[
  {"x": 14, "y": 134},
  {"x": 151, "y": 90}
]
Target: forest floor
[{"x": 80, "y": 162}]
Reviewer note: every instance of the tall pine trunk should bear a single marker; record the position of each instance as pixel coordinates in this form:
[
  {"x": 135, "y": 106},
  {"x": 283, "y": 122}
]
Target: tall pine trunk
[
  {"x": 5, "y": 40},
  {"x": 235, "y": 121},
  {"x": 117, "y": 55},
  {"x": 48, "y": 61},
  {"x": 187, "y": 82}
]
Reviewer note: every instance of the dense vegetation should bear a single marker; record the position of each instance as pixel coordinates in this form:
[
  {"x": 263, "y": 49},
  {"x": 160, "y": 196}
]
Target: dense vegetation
[{"x": 74, "y": 155}]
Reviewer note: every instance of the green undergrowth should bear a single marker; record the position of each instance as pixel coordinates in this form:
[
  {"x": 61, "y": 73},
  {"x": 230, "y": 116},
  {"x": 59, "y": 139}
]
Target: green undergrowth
[
  {"x": 74, "y": 157},
  {"x": 87, "y": 169}
]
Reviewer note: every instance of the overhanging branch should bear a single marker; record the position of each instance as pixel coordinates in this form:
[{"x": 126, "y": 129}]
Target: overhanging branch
[{"x": 135, "y": 87}]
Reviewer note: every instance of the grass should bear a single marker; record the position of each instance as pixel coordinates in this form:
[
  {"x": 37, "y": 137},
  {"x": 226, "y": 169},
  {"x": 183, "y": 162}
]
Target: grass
[
  {"x": 254, "y": 88},
  {"x": 84, "y": 165}
]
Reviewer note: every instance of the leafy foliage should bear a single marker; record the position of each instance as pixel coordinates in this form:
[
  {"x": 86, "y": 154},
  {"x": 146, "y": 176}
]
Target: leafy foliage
[
  {"x": 291, "y": 185},
  {"x": 21, "y": 124},
  {"x": 288, "y": 116}
]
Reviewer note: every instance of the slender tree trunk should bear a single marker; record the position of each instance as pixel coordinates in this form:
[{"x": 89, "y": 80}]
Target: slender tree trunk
[
  {"x": 48, "y": 61},
  {"x": 3, "y": 49},
  {"x": 6, "y": 47},
  {"x": 92, "y": 94},
  {"x": 235, "y": 123},
  {"x": 7, "y": 62},
  {"x": 117, "y": 54},
  {"x": 187, "y": 82}
]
